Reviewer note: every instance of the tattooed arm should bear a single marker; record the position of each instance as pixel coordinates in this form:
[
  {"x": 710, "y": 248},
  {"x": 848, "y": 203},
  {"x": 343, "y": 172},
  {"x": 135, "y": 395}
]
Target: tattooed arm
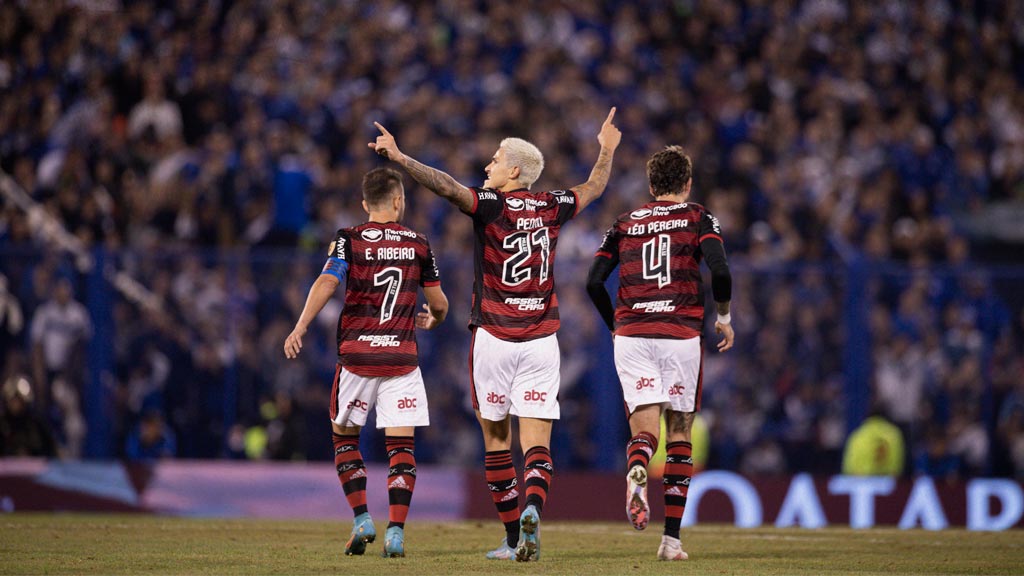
[
  {"x": 609, "y": 138},
  {"x": 437, "y": 181}
]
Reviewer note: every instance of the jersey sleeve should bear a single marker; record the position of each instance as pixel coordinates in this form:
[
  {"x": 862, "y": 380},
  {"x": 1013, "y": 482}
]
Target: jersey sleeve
[
  {"x": 339, "y": 254},
  {"x": 568, "y": 204},
  {"x": 487, "y": 204},
  {"x": 709, "y": 228},
  {"x": 429, "y": 274},
  {"x": 610, "y": 245}
]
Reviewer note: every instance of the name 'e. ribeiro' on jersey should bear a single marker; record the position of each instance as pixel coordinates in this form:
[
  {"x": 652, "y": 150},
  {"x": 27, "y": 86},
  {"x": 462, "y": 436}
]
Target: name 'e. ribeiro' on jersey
[{"x": 387, "y": 263}]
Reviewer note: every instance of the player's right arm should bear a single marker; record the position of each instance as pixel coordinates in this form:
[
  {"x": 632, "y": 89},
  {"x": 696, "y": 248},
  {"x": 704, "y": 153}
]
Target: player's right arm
[
  {"x": 319, "y": 294},
  {"x": 605, "y": 261},
  {"x": 323, "y": 288},
  {"x": 433, "y": 179}
]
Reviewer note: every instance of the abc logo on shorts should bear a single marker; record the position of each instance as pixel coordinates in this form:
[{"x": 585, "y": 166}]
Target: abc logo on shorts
[
  {"x": 644, "y": 383},
  {"x": 534, "y": 396}
]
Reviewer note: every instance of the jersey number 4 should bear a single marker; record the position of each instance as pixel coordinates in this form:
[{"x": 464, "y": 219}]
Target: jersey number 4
[
  {"x": 391, "y": 279},
  {"x": 656, "y": 260},
  {"x": 515, "y": 271}
]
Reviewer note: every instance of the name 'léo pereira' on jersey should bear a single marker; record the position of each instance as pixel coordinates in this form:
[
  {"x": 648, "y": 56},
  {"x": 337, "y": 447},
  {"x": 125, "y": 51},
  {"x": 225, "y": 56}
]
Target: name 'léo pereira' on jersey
[
  {"x": 657, "y": 247},
  {"x": 386, "y": 264}
]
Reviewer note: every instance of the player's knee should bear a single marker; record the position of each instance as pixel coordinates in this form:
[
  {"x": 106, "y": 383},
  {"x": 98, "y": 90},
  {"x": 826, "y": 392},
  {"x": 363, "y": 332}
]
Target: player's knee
[
  {"x": 345, "y": 430},
  {"x": 679, "y": 425},
  {"x": 495, "y": 431}
]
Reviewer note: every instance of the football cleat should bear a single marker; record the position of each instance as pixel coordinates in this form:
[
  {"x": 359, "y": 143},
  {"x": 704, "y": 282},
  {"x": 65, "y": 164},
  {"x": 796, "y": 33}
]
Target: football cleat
[
  {"x": 671, "y": 549},
  {"x": 636, "y": 497},
  {"x": 502, "y": 552},
  {"x": 529, "y": 535},
  {"x": 394, "y": 543},
  {"x": 363, "y": 533}
]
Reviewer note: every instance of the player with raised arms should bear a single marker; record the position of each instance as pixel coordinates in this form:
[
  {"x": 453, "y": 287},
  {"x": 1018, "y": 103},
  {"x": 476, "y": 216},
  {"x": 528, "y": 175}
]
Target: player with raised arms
[
  {"x": 514, "y": 356},
  {"x": 385, "y": 264},
  {"x": 657, "y": 326}
]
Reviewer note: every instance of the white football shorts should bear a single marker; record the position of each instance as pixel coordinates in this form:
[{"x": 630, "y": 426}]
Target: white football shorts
[
  {"x": 520, "y": 378},
  {"x": 400, "y": 400},
  {"x": 660, "y": 371}
]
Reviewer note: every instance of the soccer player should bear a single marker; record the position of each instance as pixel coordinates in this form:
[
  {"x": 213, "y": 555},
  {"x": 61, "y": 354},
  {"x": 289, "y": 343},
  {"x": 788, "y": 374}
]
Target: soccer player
[
  {"x": 514, "y": 357},
  {"x": 657, "y": 328},
  {"x": 385, "y": 262}
]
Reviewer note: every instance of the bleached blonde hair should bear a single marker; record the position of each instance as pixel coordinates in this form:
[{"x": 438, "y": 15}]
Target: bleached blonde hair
[{"x": 526, "y": 156}]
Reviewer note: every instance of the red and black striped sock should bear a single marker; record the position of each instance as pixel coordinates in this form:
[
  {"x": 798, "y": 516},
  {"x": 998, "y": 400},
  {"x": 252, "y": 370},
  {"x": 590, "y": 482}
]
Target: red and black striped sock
[
  {"x": 351, "y": 470},
  {"x": 639, "y": 450},
  {"x": 501, "y": 481},
  {"x": 537, "y": 475},
  {"x": 678, "y": 469},
  {"x": 401, "y": 478}
]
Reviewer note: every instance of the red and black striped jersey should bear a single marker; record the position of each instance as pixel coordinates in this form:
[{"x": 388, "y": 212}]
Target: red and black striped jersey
[
  {"x": 514, "y": 256},
  {"x": 386, "y": 264},
  {"x": 657, "y": 249}
]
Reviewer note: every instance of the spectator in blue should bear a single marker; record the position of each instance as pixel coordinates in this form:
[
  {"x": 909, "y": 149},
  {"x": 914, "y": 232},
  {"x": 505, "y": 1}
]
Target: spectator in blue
[
  {"x": 293, "y": 184},
  {"x": 934, "y": 458},
  {"x": 151, "y": 439}
]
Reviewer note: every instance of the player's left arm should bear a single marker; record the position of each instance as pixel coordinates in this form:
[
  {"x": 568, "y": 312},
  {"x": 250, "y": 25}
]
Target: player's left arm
[
  {"x": 721, "y": 279},
  {"x": 436, "y": 308},
  {"x": 608, "y": 138}
]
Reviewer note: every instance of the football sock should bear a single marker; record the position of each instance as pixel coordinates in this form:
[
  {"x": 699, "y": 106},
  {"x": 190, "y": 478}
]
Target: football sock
[
  {"x": 401, "y": 478},
  {"x": 501, "y": 481},
  {"x": 639, "y": 450},
  {"x": 537, "y": 476},
  {"x": 351, "y": 470},
  {"x": 678, "y": 469}
]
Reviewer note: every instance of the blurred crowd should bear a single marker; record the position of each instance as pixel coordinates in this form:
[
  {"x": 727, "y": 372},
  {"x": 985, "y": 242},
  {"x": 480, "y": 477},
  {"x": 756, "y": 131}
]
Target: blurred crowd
[{"x": 210, "y": 149}]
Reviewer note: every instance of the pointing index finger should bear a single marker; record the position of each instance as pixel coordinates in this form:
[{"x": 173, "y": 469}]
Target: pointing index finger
[
  {"x": 382, "y": 129},
  {"x": 611, "y": 115}
]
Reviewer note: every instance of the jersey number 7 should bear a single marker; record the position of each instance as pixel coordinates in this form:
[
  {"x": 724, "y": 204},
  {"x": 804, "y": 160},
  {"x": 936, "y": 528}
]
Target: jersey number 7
[{"x": 392, "y": 279}]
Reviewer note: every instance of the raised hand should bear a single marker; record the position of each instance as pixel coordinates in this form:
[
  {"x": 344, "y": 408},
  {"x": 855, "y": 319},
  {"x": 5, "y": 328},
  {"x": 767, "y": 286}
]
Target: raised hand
[
  {"x": 385, "y": 145},
  {"x": 609, "y": 136}
]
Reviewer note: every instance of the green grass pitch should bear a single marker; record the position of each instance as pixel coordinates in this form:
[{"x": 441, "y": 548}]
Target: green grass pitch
[{"x": 116, "y": 544}]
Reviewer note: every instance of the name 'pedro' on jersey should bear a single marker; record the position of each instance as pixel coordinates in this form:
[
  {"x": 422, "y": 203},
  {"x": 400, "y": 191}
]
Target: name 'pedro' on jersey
[
  {"x": 387, "y": 263},
  {"x": 514, "y": 285}
]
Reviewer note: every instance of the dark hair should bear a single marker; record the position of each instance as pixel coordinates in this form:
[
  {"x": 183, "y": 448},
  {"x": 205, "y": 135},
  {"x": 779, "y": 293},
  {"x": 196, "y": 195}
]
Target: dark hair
[
  {"x": 669, "y": 170},
  {"x": 379, "y": 184}
]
